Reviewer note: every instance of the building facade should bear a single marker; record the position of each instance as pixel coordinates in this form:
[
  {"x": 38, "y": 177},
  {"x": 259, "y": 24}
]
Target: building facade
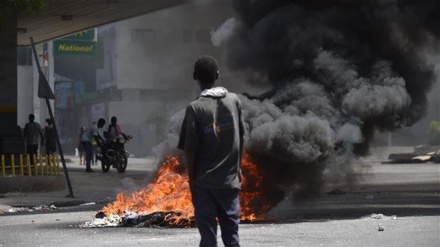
[{"x": 142, "y": 74}]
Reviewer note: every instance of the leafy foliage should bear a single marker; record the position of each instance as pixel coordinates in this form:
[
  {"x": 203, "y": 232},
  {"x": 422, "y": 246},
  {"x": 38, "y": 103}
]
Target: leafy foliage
[{"x": 9, "y": 7}]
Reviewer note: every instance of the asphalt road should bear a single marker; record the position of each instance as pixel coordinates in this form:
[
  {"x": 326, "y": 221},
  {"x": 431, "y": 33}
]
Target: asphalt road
[
  {"x": 61, "y": 229},
  {"x": 391, "y": 205}
]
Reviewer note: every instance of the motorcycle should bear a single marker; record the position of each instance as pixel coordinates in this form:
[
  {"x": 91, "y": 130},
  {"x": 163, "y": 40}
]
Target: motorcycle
[{"x": 113, "y": 154}]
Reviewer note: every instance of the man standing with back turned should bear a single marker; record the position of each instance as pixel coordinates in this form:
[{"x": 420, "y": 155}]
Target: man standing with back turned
[
  {"x": 33, "y": 135},
  {"x": 212, "y": 137}
]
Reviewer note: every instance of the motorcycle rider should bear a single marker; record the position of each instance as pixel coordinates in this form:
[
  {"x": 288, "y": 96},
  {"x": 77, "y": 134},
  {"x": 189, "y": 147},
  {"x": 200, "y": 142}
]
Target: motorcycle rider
[
  {"x": 114, "y": 130},
  {"x": 99, "y": 134},
  {"x": 112, "y": 151}
]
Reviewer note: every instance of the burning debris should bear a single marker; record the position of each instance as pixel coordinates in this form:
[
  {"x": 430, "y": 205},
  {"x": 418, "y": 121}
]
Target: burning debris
[
  {"x": 166, "y": 201},
  {"x": 132, "y": 219},
  {"x": 101, "y": 220},
  {"x": 169, "y": 191}
]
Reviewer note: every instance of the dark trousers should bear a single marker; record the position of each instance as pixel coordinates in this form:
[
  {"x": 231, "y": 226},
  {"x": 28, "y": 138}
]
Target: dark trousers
[
  {"x": 50, "y": 150},
  {"x": 32, "y": 150},
  {"x": 89, "y": 153},
  {"x": 223, "y": 204}
]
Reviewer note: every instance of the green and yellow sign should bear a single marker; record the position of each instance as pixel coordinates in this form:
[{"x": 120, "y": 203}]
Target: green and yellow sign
[
  {"x": 88, "y": 35},
  {"x": 82, "y": 43}
]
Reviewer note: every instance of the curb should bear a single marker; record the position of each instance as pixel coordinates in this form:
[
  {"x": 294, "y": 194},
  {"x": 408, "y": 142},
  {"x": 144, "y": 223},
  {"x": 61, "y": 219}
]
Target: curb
[{"x": 32, "y": 184}]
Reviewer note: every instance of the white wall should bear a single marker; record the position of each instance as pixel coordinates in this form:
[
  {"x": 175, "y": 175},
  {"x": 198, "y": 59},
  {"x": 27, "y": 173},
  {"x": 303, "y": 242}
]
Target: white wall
[{"x": 24, "y": 94}]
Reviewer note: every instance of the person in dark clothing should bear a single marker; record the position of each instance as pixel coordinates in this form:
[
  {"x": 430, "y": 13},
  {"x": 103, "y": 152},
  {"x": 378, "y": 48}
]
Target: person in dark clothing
[
  {"x": 86, "y": 138},
  {"x": 33, "y": 134},
  {"x": 114, "y": 130},
  {"x": 212, "y": 137},
  {"x": 99, "y": 134},
  {"x": 50, "y": 137},
  {"x": 99, "y": 138}
]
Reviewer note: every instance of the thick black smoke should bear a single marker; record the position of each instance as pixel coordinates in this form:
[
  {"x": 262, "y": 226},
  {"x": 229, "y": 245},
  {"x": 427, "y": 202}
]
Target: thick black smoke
[{"x": 338, "y": 70}]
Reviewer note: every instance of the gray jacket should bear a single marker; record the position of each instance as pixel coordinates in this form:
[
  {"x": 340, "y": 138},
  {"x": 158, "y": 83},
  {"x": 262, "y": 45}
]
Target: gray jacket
[{"x": 213, "y": 132}]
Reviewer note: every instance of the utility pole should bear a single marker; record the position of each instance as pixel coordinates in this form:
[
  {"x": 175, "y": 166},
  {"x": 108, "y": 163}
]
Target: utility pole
[{"x": 45, "y": 92}]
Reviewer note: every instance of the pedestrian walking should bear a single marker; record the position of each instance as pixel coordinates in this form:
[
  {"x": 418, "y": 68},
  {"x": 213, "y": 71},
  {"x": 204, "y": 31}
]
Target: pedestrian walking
[
  {"x": 87, "y": 145},
  {"x": 92, "y": 131},
  {"x": 80, "y": 146},
  {"x": 86, "y": 140},
  {"x": 94, "y": 148},
  {"x": 212, "y": 137}
]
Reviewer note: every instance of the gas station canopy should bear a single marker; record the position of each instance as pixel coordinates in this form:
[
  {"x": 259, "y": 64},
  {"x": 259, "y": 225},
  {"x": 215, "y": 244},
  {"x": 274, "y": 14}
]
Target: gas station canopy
[{"x": 63, "y": 17}]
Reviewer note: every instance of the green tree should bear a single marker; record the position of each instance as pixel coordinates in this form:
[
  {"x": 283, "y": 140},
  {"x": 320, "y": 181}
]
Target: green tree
[{"x": 10, "y": 7}]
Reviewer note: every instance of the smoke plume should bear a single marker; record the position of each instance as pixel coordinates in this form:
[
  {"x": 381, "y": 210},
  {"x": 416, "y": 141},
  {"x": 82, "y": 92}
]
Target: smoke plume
[{"x": 338, "y": 70}]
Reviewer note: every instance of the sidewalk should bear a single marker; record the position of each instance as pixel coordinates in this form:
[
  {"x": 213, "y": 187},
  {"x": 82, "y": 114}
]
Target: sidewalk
[{"x": 87, "y": 188}]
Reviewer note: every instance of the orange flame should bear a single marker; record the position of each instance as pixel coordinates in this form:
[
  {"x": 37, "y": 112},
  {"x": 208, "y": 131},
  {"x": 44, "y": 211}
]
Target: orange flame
[
  {"x": 169, "y": 191},
  {"x": 251, "y": 192}
]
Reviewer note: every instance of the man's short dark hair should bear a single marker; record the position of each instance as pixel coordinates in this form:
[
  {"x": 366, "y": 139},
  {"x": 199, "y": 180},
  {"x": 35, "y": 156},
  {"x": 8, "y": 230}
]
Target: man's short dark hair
[
  {"x": 31, "y": 117},
  {"x": 113, "y": 120},
  {"x": 101, "y": 122},
  {"x": 206, "y": 70}
]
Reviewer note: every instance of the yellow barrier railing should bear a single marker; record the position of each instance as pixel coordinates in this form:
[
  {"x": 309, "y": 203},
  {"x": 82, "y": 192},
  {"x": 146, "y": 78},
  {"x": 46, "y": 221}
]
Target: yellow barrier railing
[{"x": 41, "y": 165}]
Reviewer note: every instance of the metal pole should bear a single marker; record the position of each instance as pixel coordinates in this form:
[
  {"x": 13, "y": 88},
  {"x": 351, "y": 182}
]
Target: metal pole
[
  {"x": 63, "y": 161},
  {"x": 46, "y": 97}
]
